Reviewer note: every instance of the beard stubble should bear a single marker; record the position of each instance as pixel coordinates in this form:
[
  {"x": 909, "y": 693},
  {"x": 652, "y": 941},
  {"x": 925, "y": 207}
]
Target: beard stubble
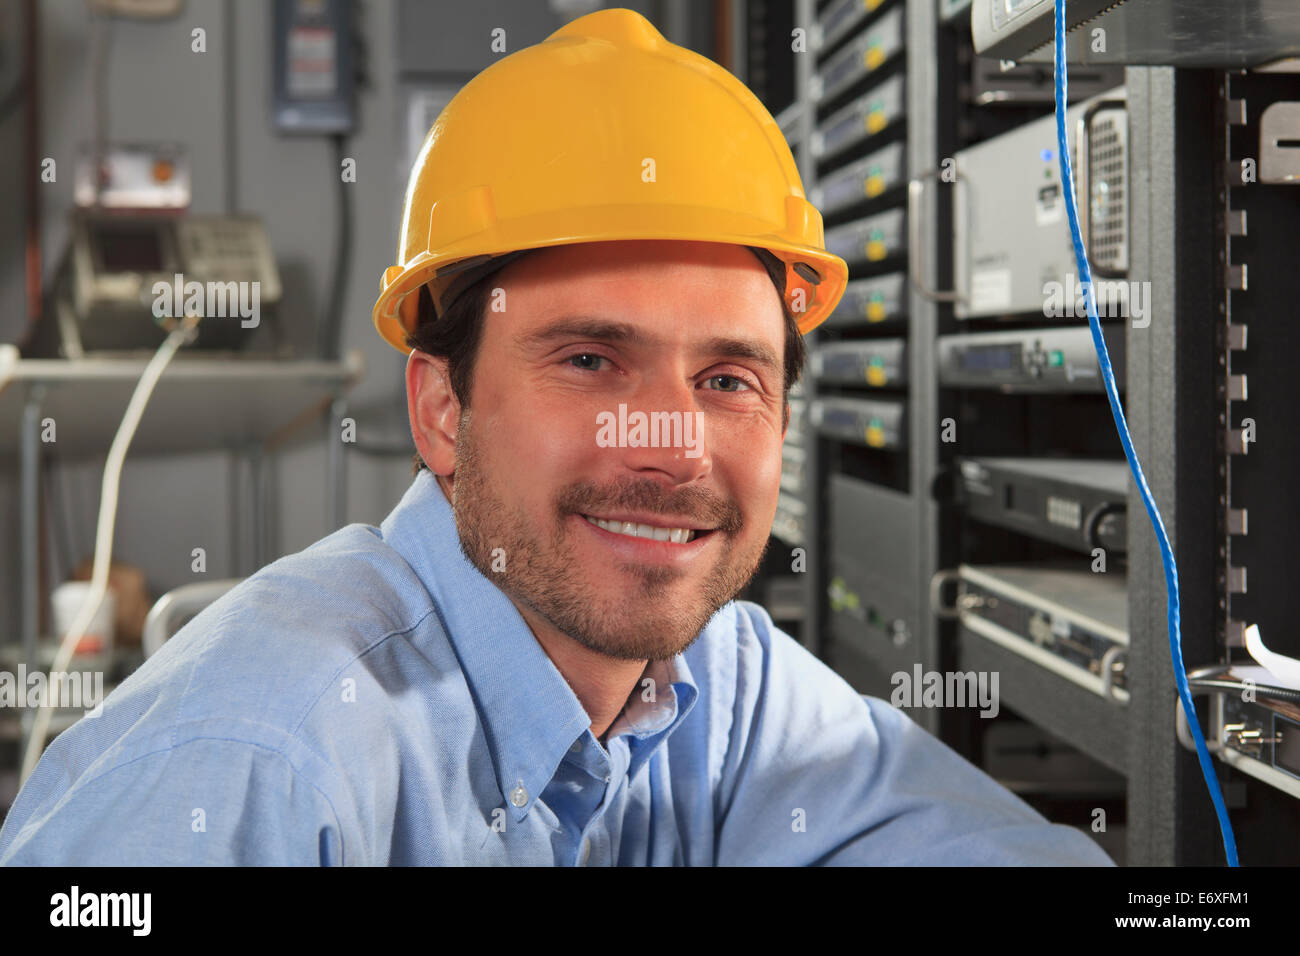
[{"x": 650, "y": 621}]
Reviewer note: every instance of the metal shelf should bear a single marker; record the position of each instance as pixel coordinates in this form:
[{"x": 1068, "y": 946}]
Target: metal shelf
[
  {"x": 222, "y": 401},
  {"x": 207, "y": 401}
]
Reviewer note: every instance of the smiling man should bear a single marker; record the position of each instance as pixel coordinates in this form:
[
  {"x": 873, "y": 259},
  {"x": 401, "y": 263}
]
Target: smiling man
[
  {"x": 538, "y": 657},
  {"x": 613, "y": 556}
]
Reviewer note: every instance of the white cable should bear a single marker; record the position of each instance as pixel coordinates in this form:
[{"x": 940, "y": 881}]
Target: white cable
[
  {"x": 103, "y": 534},
  {"x": 1285, "y": 669}
]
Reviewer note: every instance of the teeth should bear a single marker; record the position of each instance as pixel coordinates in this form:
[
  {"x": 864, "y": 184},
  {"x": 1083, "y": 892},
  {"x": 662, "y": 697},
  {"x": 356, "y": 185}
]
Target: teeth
[{"x": 675, "y": 535}]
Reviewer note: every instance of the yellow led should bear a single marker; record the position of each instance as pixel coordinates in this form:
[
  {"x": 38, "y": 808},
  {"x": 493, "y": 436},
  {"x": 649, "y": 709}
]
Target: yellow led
[
  {"x": 876, "y": 250},
  {"x": 876, "y": 121},
  {"x": 875, "y": 436},
  {"x": 876, "y": 312},
  {"x": 876, "y": 376},
  {"x": 873, "y": 58},
  {"x": 875, "y": 185}
]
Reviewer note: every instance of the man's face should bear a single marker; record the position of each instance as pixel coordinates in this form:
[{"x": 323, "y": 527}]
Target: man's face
[{"x": 687, "y": 338}]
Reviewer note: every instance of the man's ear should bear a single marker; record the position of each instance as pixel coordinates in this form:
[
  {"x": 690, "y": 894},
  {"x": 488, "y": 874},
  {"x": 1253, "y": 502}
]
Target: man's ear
[{"x": 434, "y": 410}]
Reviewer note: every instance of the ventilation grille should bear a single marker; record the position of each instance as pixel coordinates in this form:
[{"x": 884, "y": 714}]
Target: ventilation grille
[{"x": 1108, "y": 190}]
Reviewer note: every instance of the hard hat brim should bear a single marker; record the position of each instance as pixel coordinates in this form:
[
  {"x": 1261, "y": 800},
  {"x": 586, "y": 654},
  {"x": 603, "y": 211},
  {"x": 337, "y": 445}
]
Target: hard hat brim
[{"x": 811, "y": 301}]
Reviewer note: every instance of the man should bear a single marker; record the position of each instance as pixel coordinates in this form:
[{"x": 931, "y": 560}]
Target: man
[{"x": 536, "y": 659}]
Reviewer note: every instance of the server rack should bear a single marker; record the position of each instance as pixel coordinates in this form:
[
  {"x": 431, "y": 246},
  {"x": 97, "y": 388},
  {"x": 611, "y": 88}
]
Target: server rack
[{"x": 876, "y": 516}]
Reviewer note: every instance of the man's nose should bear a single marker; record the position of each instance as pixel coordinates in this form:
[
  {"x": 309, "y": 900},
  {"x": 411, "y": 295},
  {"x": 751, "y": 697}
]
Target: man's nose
[{"x": 664, "y": 430}]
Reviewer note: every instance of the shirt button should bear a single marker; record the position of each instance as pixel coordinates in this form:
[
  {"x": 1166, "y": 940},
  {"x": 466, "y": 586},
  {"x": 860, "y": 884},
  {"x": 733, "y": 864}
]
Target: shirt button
[
  {"x": 519, "y": 796},
  {"x": 586, "y": 851}
]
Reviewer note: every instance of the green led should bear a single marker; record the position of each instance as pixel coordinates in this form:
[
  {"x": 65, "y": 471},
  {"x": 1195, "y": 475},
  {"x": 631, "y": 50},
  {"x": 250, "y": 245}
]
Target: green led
[{"x": 1056, "y": 357}]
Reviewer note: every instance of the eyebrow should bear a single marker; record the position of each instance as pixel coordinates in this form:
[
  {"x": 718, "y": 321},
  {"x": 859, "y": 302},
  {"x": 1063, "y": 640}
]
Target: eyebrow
[{"x": 609, "y": 330}]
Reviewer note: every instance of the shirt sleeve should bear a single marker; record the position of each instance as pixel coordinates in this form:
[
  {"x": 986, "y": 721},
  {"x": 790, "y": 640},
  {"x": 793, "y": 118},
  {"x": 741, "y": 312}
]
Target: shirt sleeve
[
  {"x": 207, "y": 801},
  {"x": 817, "y": 774}
]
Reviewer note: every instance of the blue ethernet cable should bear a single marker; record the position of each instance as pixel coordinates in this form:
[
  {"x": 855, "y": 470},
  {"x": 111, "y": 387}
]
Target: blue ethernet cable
[{"x": 1112, "y": 394}]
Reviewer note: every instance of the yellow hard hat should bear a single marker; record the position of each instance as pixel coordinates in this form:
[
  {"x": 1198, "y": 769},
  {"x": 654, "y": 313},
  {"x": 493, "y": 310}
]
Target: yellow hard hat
[{"x": 604, "y": 131}]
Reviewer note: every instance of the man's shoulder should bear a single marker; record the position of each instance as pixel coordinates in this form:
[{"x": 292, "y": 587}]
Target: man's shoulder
[
  {"x": 254, "y": 665},
  {"x": 746, "y": 631},
  {"x": 743, "y": 655},
  {"x": 291, "y": 691},
  {"x": 338, "y": 596}
]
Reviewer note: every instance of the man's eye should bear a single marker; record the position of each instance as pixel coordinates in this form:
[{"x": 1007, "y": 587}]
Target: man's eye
[
  {"x": 730, "y": 383},
  {"x": 587, "y": 360}
]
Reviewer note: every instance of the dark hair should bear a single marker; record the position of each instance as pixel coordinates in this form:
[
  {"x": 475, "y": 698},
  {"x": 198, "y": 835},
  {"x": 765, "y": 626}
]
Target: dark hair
[{"x": 456, "y": 336}]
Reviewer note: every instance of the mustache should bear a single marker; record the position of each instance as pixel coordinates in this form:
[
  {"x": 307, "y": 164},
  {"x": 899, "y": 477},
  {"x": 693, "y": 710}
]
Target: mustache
[{"x": 705, "y": 508}]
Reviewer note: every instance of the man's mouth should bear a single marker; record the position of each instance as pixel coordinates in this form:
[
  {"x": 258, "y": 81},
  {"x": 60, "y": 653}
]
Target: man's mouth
[{"x": 652, "y": 532}]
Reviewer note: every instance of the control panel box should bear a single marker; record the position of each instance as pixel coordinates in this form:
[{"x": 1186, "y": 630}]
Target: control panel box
[
  {"x": 873, "y": 112},
  {"x": 869, "y": 240},
  {"x": 863, "y": 179},
  {"x": 870, "y": 422},
  {"x": 868, "y": 301},
  {"x": 1071, "y": 622},
  {"x": 1039, "y": 360},
  {"x": 877, "y": 363},
  {"x": 861, "y": 56},
  {"x": 1077, "y": 503}
]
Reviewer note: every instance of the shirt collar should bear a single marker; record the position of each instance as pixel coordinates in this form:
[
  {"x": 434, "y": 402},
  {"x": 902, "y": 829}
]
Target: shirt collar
[
  {"x": 530, "y": 714},
  {"x": 662, "y": 697}
]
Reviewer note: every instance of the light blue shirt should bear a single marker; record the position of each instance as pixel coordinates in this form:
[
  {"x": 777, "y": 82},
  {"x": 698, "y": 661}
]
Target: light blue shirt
[{"x": 374, "y": 699}]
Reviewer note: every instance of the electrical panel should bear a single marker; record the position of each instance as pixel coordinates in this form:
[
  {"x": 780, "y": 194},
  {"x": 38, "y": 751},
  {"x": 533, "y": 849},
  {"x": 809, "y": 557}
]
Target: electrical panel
[{"x": 313, "y": 66}]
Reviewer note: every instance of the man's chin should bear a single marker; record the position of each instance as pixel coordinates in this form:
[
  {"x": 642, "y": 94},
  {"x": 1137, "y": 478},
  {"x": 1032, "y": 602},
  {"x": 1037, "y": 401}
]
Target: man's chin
[
  {"x": 634, "y": 629},
  {"x": 626, "y": 646}
]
